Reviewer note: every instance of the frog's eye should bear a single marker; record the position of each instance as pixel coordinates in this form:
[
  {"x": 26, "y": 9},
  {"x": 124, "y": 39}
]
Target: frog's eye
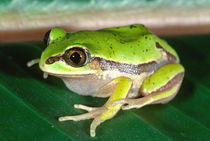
[
  {"x": 76, "y": 57},
  {"x": 46, "y": 38}
]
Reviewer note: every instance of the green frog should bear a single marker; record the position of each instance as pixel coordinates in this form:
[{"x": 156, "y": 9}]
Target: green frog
[{"x": 128, "y": 64}]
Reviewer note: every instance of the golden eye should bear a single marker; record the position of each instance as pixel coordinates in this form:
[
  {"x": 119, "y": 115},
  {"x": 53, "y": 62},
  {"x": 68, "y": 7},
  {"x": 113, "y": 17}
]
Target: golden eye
[{"x": 76, "y": 57}]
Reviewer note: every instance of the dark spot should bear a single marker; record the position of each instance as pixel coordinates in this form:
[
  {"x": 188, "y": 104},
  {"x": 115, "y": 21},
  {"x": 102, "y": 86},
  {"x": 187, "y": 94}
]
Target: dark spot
[
  {"x": 149, "y": 38},
  {"x": 114, "y": 34},
  {"x": 59, "y": 36},
  {"x": 67, "y": 37},
  {"x": 111, "y": 47},
  {"x": 153, "y": 83},
  {"x": 56, "y": 39},
  {"x": 146, "y": 50},
  {"x": 158, "y": 45},
  {"x": 145, "y": 37},
  {"x": 132, "y": 26}
]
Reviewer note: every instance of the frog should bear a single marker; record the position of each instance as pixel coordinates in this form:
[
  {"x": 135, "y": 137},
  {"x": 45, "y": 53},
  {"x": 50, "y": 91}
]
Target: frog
[{"x": 129, "y": 65}]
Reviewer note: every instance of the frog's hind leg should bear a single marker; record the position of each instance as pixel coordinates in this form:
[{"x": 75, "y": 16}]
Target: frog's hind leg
[{"x": 168, "y": 77}]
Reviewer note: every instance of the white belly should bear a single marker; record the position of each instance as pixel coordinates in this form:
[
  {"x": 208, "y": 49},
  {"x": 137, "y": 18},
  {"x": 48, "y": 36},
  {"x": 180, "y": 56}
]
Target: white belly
[{"x": 87, "y": 85}]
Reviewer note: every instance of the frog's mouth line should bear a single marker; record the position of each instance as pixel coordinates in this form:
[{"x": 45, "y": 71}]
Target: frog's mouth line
[{"x": 67, "y": 75}]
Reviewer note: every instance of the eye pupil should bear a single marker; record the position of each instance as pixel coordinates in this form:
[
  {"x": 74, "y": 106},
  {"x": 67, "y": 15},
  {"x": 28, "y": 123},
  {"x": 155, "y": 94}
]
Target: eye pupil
[{"x": 75, "y": 57}]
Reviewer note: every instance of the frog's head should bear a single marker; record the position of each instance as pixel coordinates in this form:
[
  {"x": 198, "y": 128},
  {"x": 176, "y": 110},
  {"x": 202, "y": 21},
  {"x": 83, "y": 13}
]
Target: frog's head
[{"x": 66, "y": 55}]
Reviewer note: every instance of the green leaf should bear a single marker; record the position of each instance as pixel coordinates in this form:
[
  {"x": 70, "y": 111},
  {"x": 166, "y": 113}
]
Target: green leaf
[{"x": 30, "y": 105}]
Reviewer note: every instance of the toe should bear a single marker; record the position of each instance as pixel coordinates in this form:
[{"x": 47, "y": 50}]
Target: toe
[
  {"x": 84, "y": 107},
  {"x": 96, "y": 122},
  {"x": 66, "y": 118},
  {"x": 77, "y": 106}
]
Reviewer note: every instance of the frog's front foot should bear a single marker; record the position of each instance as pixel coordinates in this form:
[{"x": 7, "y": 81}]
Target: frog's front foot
[
  {"x": 33, "y": 62},
  {"x": 93, "y": 112}
]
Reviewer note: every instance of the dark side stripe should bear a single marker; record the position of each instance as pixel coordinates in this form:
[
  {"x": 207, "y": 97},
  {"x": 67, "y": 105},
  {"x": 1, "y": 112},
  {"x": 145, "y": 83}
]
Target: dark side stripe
[{"x": 108, "y": 65}]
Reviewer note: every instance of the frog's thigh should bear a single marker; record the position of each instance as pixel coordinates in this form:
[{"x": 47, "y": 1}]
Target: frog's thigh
[
  {"x": 163, "y": 85},
  {"x": 160, "y": 87}
]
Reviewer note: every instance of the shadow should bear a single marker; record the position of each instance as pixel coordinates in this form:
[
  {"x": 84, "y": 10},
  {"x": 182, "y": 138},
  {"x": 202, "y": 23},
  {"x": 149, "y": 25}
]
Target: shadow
[
  {"x": 14, "y": 56},
  {"x": 191, "y": 55},
  {"x": 185, "y": 93}
]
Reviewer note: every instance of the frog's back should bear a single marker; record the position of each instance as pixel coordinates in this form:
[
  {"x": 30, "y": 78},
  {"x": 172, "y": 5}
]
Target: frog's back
[{"x": 135, "y": 44}]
